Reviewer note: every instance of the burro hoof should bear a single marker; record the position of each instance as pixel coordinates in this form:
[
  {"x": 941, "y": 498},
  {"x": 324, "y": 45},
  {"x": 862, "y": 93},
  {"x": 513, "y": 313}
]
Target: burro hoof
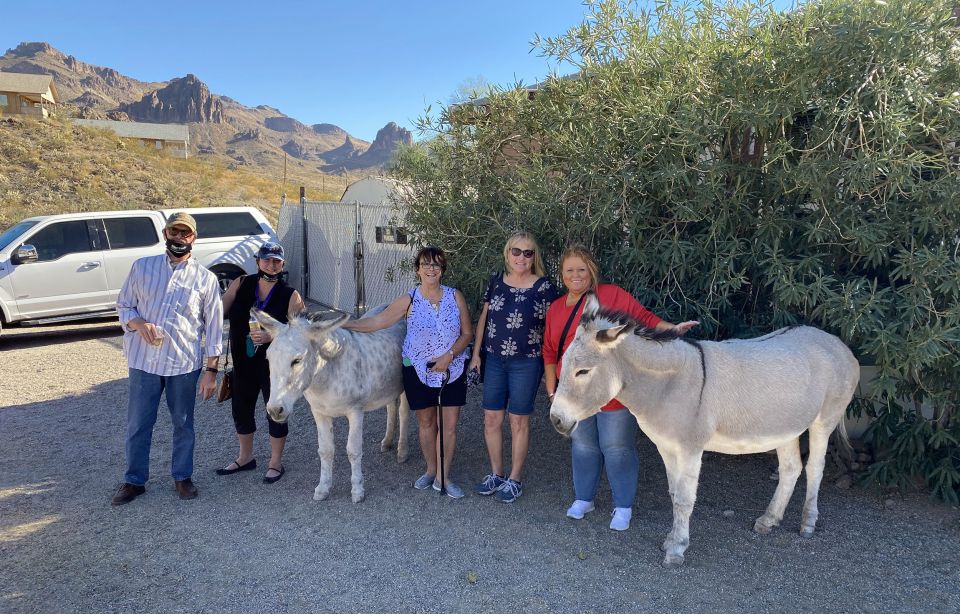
[
  {"x": 761, "y": 528},
  {"x": 358, "y": 497},
  {"x": 320, "y": 495},
  {"x": 385, "y": 445},
  {"x": 672, "y": 561},
  {"x": 806, "y": 532},
  {"x": 402, "y": 456}
]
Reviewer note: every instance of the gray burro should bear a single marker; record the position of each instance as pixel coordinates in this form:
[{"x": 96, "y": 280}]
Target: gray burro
[
  {"x": 740, "y": 396},
  {"x": 340, "y": 373}
]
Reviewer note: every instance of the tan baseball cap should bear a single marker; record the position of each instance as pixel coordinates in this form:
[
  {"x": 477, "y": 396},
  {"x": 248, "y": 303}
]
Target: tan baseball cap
[{"x": 183, "y": 219}]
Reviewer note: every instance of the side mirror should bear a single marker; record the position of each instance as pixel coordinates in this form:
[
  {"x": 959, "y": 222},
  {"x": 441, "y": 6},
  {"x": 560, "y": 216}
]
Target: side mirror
[{"x": 25, "y": 254}]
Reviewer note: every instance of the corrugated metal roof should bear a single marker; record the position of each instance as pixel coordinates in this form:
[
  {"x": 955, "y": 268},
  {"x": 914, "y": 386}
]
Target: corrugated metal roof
[
  {"x": 140, "y": 130},
  {"x": 24, "y": 83}
]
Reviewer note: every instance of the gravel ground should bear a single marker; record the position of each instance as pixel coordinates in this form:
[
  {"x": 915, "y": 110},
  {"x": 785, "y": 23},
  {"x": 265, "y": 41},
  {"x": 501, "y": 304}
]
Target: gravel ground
[{"x": 247, "y": 546}]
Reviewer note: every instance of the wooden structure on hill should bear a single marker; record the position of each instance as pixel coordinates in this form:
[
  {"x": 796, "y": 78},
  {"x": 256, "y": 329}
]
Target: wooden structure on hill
[
  {"x": 172, "y": 138},
  {"x": 26, "y": 94}
]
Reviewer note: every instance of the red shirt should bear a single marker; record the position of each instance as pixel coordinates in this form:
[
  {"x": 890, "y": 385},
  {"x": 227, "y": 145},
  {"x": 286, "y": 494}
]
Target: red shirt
[{"x": 610, "y": 297}]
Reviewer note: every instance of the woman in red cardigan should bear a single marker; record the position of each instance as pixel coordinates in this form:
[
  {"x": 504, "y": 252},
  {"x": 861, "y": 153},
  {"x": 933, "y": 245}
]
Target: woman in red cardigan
[{"x": 607, "y": 439}]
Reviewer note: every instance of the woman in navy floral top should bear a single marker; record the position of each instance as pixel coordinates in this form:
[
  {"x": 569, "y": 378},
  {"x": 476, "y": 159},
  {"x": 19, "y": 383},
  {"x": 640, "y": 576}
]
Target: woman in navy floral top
[{"x": 510, "y": 330}]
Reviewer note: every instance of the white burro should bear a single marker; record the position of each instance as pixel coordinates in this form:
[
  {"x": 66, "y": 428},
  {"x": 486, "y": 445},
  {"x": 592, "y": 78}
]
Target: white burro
[
  {"x": 340, "y": 373},
  {"x": 739, "y": 396}
]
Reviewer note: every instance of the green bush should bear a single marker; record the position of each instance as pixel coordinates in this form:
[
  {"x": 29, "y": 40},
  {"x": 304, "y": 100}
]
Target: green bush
[{"x": 748, "y": 168}]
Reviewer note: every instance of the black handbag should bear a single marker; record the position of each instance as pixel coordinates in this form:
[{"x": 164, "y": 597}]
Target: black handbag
[
  {"x": 225, "y": 388},
  {"x": 483, "y": 349}
]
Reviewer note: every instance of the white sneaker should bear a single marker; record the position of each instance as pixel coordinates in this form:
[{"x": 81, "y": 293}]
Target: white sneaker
[
  {"x": 621, "y": 518},
  {"x": 579, "y": 508}
]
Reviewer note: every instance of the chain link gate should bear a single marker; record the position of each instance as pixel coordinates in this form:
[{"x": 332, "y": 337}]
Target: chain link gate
[{"x": 345, "y": 256}]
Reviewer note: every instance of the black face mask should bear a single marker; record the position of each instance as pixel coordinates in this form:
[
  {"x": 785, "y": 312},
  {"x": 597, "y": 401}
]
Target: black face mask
[
  {"x": 178, "y": 249},
  {"x": 269, "y": 277}
]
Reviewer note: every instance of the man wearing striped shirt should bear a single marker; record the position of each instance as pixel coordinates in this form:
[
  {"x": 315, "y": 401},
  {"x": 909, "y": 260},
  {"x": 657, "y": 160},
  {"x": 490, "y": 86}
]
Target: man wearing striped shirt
[{"x": 172, "y": 317}]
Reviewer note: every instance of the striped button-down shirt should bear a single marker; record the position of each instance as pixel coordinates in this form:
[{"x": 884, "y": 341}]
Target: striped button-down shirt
[{"x": 184, "y": 302}]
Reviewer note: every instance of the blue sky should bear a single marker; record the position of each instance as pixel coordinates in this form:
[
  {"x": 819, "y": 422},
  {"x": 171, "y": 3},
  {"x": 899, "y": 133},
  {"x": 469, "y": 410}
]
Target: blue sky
[{"x": 358, "y": 64}]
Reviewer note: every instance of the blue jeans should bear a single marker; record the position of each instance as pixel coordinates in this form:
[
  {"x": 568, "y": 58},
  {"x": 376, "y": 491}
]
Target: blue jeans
[
  {"x": 511, "y": 383},
  {"x": 607, "y": 438},
  {"x": 145, "y": 391}
]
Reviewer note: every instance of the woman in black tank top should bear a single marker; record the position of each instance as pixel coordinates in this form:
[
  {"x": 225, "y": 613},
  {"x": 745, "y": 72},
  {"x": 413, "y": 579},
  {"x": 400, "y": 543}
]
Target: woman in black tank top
[{"x": 248, "y": 348}]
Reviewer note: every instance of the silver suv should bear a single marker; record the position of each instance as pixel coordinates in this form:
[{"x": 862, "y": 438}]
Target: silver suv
[{"x": 71, "y": 266}]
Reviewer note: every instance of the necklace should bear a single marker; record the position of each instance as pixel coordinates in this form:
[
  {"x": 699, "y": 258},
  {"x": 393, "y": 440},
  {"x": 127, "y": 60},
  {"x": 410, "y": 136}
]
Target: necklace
[{"x": 434, "y": 305}]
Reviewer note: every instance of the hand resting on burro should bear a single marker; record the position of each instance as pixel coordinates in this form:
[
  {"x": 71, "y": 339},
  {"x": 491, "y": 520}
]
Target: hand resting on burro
[
  {"x": 340, "y": 373},
  {"x": 734, "y": 397}
]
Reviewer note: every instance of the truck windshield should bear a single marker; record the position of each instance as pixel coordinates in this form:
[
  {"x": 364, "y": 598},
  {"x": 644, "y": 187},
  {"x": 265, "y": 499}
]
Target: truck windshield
[{"x": 11, "y": 234}]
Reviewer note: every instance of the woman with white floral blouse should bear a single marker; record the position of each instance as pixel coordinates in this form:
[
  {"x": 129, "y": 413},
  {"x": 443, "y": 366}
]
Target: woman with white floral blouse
[{"x": 510, "y": 330}]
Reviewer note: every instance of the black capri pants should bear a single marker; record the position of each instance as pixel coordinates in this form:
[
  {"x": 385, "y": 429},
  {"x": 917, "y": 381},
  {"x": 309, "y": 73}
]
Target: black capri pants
[{"x": 251, "y": 377}]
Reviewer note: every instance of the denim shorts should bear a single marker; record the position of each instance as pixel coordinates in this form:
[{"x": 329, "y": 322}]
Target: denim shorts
[{"x": 511, "y": 383}]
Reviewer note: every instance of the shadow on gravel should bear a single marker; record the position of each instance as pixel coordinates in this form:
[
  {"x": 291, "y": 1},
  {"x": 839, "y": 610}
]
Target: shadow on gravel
[
  {"x": 39, "y": 336},
  {"x": 248, "y": 546}
]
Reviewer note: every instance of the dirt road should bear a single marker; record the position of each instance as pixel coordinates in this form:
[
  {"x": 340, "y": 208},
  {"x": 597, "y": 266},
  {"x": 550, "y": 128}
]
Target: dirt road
[{"x": 247, "y": 546}]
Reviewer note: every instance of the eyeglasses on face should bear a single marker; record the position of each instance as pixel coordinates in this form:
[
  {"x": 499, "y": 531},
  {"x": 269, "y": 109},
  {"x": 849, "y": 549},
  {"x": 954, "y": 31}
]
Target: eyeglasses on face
[
  {"x": 430, "y": 265},
  {"x": 527, "y": 253},
  {"x": 180, "y": 232}
]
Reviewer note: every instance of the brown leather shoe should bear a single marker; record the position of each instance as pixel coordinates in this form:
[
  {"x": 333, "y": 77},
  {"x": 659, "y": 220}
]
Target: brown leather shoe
[
  {"x": 127, "y": 493},
  {"x": 186, "y": 489}
]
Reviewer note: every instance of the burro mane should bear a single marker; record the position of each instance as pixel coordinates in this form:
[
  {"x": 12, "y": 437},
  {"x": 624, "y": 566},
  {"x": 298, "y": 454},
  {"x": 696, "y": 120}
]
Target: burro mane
[{"x": 611, "y": 318}]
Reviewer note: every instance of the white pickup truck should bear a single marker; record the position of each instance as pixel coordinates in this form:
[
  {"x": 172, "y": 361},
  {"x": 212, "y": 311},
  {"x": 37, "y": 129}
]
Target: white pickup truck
[{"x": 71, "y": 266}]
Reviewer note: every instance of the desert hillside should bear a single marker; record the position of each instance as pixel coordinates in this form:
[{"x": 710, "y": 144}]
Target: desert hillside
[
  {"x": 53, "y": 166},
  {"x": 260, "y": 138}
]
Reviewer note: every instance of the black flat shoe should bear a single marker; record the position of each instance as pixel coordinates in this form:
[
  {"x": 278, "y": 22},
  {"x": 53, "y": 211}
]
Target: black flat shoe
[
  {"x": 269, "y": 480},
  {"x": 248, "y": 467}
]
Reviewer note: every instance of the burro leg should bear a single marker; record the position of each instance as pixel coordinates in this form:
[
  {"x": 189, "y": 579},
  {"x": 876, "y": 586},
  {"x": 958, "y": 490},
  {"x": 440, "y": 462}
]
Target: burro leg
[
  {"x": 686, "y": 478},
  {"x": 325, "y": 451},
  {"x": 387, "y": 441},
  {"x": 670, "y": 464},
  {"x": 403, "y": 411},
  {"x": 355, "y": 454},
  {"x": 789, "y": 468},
  {"x": 819, "y": 437}
]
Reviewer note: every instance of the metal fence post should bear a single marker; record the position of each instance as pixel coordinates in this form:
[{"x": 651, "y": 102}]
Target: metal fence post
[
  {"x": 360, "y": 306},
  {"x": 305, "y": 267}
]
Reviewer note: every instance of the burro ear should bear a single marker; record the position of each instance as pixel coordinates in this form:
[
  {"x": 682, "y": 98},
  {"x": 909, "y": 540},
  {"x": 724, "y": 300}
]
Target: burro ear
[
  {"x": 319, "y": 330},
  {"x": 267, "y": 322},
  {"x": 590, "y": 307},
  {"x": 612, "y": 336}
]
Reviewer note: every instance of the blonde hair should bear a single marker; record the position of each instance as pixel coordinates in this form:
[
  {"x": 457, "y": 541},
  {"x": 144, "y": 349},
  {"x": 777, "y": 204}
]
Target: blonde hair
[
  {"x": 538, "y": 269},
  {"x": 578, "y": 250}
]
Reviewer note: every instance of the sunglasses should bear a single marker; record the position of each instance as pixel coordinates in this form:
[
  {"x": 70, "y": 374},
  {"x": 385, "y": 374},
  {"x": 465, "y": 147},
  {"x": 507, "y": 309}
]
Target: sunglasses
[
  {"x": 180, "y": 232},
  {"x": 527, "y": 253}
]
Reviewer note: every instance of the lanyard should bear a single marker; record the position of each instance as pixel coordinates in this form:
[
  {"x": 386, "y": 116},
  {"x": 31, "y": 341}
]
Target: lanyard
[{"x": 256, "y": 296}]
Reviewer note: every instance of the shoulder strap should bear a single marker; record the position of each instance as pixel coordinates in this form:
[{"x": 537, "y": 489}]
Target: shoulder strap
[
  {"x": 410, "y": 304},
  {"x": 566, "y": 327},
  {"x": 493, "y": 281}
]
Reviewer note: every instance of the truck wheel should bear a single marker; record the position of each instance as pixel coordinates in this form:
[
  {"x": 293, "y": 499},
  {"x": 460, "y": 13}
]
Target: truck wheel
[{"x": 226, "y": 274}]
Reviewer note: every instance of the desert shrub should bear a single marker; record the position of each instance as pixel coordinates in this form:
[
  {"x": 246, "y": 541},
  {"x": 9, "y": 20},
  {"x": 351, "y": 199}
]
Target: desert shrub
[{"x": 748, "y": 168}]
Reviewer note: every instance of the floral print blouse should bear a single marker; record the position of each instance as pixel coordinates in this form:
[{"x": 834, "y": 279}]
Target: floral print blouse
[{"x": 515, "y": 317}]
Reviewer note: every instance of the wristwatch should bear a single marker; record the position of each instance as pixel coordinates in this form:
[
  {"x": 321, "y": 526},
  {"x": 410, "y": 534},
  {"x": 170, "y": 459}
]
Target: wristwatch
[{"x": 212, "y": 369}]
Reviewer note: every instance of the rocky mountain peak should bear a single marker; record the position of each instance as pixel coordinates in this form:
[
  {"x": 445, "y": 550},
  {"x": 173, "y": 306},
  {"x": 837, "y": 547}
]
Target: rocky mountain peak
[
  {"x": 329, "y": 130},
  {"x": 183, "y": 100},
  {"x": 388, "y": 138},
  {"x": 32, "y": 49}
]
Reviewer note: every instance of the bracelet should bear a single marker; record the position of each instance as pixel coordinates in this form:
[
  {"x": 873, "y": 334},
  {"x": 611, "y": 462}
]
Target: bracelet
[
  {"x": 450, "y": 351},
  {"x": 212, "y": 369}
]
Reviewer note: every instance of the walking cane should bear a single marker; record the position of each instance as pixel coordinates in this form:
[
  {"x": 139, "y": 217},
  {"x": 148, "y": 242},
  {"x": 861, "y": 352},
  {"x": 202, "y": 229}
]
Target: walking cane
[{"x": 443, "y": 382}]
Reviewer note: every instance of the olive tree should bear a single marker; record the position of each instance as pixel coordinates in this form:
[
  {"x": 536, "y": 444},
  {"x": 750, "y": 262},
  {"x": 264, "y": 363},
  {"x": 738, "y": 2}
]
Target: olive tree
[{"x": 748, "y": 168}]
